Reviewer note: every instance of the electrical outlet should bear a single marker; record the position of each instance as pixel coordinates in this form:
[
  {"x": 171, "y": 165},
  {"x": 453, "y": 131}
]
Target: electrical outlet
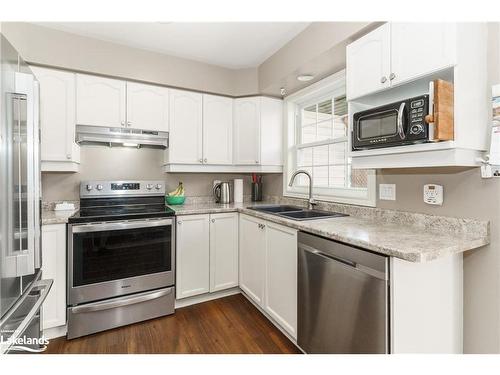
[{"x": 387, "y": 192}]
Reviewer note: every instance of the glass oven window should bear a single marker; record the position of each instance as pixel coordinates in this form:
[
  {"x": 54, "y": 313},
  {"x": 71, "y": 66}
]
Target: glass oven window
[
  {"x": 379, "y": 125},
  {"x": 117, "y": 254}
]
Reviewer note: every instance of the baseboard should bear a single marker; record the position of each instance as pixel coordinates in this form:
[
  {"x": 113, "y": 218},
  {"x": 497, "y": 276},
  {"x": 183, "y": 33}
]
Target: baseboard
[
  {"x": 205, "y": 297},
  {"x": 54, "y": 332}
]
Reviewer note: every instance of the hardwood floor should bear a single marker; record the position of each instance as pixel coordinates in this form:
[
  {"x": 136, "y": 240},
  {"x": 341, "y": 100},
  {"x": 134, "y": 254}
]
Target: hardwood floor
[{"x": 230, "y": 325}]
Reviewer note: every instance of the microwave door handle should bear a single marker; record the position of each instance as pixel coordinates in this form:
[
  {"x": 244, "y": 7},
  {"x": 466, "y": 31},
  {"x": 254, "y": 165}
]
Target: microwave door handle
[{"x": 401, "y": 130}]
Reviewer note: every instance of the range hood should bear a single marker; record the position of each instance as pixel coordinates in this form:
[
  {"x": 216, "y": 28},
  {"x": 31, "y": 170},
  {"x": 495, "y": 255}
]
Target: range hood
[{"x": 92, "y": 135}]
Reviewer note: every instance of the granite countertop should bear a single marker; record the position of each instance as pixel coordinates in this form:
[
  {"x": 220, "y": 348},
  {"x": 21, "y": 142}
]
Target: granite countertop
[
  {"x": 413, "y": 241},
  {"x": 56, "y": 217}
]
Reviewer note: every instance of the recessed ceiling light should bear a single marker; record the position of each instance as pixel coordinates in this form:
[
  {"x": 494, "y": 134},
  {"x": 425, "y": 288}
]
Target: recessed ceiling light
[{"x": 305, "y": 77}]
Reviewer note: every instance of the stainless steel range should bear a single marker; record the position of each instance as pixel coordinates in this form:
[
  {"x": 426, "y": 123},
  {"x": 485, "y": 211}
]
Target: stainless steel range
[{"x": 121, "y": 256}]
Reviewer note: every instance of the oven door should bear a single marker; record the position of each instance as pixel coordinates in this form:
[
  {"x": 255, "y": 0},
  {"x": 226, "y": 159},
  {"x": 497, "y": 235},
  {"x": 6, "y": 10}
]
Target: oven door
[
  {"x": 380, "y": 127},
  {"x": 116, "y": 258}
]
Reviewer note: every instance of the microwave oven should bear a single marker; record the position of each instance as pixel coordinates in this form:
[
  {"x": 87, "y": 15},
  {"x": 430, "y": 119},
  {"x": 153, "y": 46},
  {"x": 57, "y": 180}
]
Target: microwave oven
[{"x": 396, "y": 124}]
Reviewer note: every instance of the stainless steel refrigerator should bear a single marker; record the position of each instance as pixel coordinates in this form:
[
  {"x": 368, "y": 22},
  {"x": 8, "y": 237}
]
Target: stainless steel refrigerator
[{"x": 22, "y": 289}]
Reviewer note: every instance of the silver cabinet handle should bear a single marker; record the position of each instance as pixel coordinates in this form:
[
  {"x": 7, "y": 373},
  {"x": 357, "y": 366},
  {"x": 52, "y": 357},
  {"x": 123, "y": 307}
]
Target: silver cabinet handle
[
  {"x": 383, "y": 79},
  {"x": 129, "y": 123},
  {"x": 213, "y": 220},
  {"x": 392, "y": 76},
  {"x": 179, "y": 222},
  {"x": 256, "y": 162},
  {"x": 201, "y": 160},
  {"x": 205, "y": 160},
  {"x": 68, "y": 156},
  {"x": 123, "y": 123}
]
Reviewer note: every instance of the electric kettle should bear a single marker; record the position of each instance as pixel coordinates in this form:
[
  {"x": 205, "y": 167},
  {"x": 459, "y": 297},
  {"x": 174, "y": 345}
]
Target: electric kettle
[{"x": 222, "y": 192}]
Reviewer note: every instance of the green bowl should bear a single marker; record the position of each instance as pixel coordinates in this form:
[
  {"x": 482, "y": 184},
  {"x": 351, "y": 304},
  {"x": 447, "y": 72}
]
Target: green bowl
[{"x": 176, "y": 199}]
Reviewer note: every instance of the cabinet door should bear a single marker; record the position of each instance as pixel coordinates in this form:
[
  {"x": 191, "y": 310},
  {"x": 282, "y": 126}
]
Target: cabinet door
[
  {"x": 54, "y": 267},
  {"x": 57, "y": 115},
  {"x": 192, "y": 275},
  {"x": 185, "y": 127},
  {"x": 281, "y": 276},
  {"x": 100, "y": 101},
  {"x": 247, "y": 131},
  {"x": 217, "y": 129},
  {"x": 271, "y": 136},
  {"x": 252, "y": 257},
  {"x": 418, "y": 49},
  {"x": 223, "y": 251},
  {"x": 368, "y": 63},
  {"x": 147, "y": 107}
]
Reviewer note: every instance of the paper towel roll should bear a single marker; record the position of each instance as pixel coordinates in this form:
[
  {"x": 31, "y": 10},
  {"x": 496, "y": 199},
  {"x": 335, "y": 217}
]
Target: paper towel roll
[{"x": 238, "y": 190}]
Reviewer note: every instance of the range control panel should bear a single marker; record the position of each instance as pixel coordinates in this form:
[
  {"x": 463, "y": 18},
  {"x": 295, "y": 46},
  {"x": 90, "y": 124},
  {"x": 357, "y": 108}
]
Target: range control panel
[{"x": 94, "y": 189}]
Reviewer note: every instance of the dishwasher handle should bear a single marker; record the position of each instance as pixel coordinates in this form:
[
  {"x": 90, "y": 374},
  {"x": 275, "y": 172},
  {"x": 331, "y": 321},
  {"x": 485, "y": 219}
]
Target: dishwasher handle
[
  {"x": 368, "y": 270},
  {"x": 309, "y": 249}
]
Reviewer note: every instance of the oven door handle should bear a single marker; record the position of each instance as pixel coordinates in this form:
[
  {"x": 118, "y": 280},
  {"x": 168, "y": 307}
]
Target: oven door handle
[
  {"x": 120, "y": 225},
  {"x": 401, "y": 130},
  {"x": 119, "y": 302}
]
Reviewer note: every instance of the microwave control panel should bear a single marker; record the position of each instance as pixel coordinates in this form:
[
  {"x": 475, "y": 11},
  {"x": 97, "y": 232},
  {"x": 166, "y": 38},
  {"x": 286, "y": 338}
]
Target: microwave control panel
[{"x": 417, "y": 115}]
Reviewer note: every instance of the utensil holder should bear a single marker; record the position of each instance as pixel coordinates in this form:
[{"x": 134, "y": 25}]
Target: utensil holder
[{"x": 256, "y": 192}]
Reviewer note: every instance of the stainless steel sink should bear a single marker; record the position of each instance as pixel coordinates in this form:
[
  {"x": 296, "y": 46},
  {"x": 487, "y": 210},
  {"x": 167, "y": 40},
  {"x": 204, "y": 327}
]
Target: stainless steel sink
[
  {"x": 296, "y": 212},
  {"x": 311, "y": 214}
]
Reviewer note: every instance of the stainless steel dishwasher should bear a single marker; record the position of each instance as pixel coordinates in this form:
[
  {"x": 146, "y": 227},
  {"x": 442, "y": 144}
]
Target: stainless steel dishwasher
[{"x": 343, "y": 298}]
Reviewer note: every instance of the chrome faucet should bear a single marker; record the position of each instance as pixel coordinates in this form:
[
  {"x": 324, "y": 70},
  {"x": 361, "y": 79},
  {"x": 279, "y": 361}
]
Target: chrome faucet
[{"x": 311, "y": 202}]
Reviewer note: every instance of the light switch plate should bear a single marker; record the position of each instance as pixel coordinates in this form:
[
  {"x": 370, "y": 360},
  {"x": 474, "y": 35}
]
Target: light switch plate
[
  {"x": 433, "y": 194},
  {"x": 387, "y": 192}
]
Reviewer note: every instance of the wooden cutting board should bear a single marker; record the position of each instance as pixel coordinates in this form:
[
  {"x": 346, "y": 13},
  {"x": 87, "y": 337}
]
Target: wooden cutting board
[{"x": 442, "y": 116}]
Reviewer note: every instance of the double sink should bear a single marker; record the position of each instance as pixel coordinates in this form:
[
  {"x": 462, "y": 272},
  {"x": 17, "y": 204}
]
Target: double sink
[{"x": 296, "y": 212}]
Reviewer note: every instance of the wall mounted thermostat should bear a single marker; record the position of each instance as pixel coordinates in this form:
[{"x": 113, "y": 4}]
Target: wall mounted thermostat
[{"x": 433, "y": 194}]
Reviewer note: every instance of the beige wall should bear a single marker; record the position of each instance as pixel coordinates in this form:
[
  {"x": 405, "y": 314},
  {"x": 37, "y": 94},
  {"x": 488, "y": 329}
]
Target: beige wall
[
  {"x": 103, "y": 163},
  {"x": 42, "y": 45},
  {"x": 318, "y": 50}
]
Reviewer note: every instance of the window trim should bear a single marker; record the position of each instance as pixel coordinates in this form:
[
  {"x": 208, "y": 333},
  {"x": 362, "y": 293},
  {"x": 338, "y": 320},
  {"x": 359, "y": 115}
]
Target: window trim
[{"x": 311, "y": 94}]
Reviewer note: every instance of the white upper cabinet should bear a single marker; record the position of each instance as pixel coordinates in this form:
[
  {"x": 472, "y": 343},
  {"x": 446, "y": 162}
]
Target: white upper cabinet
[
  {"x": 223, "y": 251},
  {"x": 271, "y": 134},
  {"x": 193, "y": 251},
  {"x": 217, "y": 129},
  {"x": 100, "y": 101},
  {"x": 147, "y": 107},
  {"x": 418, "y": 49},
  {"x": 252, "y": 257},
  {"x": 368, "y": 62},
  {"x": 59, "y": 152},
  {"x": 247, "y": 131},
  {"x": 396, "y": 53},
  {"x": 186, "y": 131}
]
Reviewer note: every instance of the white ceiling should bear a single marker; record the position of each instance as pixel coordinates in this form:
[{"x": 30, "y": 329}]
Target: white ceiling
[{"x": 232, "y": 45}]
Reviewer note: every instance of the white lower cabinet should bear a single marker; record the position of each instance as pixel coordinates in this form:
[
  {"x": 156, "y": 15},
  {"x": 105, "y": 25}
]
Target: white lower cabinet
[
  {"x": 252, "y": 257},
  {"x": 268, "y": 269},
  {"x": 207, "y": 253},
  {"x": 54, "y": 267},
  {"x": 223, "y": 251},
  {"x": 281, "y": 276},
  {"x": 192, "y": 276}
]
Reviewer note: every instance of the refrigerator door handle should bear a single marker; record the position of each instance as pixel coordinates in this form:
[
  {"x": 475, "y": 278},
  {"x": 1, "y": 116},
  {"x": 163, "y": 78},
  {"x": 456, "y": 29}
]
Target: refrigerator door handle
[{"x": 25, "y": 86}]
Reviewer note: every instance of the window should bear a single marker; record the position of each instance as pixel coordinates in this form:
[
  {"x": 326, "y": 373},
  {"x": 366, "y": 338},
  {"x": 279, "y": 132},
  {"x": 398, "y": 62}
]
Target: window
[{"x": 317, "y": 124}]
